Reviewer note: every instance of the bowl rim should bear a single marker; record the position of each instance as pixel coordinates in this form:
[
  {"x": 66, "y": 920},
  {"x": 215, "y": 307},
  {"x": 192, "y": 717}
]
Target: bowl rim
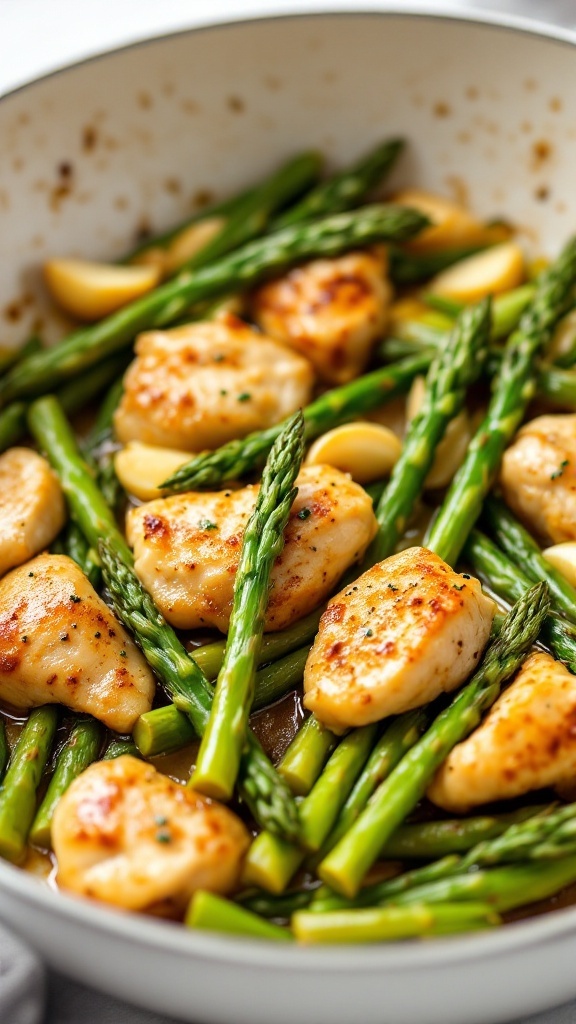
[
  {"x": 359, "y": 959},
  {"x": 445, "y": 12}
]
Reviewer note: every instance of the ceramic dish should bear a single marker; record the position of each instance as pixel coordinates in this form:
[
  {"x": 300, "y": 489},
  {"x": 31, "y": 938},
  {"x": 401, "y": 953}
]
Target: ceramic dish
[{"x": 94, "y": 154}]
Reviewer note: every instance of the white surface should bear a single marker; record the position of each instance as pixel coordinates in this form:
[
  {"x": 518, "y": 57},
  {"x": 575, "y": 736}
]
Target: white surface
[{"x": 37, "y": 36}]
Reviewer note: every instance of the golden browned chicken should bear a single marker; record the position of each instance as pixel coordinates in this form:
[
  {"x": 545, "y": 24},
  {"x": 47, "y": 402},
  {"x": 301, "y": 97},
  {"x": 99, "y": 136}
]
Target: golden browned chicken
[
  {"x": 409, "y": 629},
  {"x": 200, "y": 385},
  {"x": 32, "y": 507},
  {"x": 60, "y": 644},
  {"x": 538, "y": 476},
  {"x": 331, "y": 310},
  {"x": 527, "y": 741},
  {"x": 187, "y": 548},
  {"x": 126, "y": 834}
]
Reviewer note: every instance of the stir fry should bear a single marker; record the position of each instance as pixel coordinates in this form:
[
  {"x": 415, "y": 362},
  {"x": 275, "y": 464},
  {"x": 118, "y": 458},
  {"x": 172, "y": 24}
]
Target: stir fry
[{"x": 288, "y": 636}]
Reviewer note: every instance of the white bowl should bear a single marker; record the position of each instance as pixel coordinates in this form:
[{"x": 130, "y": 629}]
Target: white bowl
[{"x": 91, "y": 152}]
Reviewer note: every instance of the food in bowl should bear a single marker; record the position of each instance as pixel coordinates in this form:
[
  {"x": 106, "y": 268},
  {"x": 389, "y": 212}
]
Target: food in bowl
[{"x": 394, "y": 565}]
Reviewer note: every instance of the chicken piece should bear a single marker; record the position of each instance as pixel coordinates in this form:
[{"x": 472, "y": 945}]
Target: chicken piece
[
  {"x": 538, "y": 477},
  {"x": 32, "y": 508},
  {"x": 126, "y": 834},
  {"x": 187, "y": 548},
  {"x": 60, "y": 644},
  {"x": 203, "y": 384},
  {"x": 527, "y": 741},
  {"x": 331, "y": 310},
  {"x": 409, "y": 629}
]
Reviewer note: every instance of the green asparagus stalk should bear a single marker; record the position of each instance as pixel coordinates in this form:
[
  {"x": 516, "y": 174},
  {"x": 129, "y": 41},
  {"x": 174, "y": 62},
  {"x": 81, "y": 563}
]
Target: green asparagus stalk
[
  {"x": 262, "y": 788},
  {"x": 214, "y": 914},
  {"x": 269, "y": 799},
  {"x": 504, "y": 888},
  {"x": 235, "y": 459},
  {"x": 515, "y": 386},
  {"x": 544, "y": 836},
  {"x": 224, "y": 737},
  {"x": 251, "y": 216},
  {"x": 347, "y": 863},
  {"x": 274, "y": 646},
  {"x": 397, "y": 739},
  {"x": 20, "y": 785},
  {"x": 506, "y": 309},
  {"x": 72, "y": 397},
  {"x": 240, "y": 269},
  {"x": 556, "y": 385},
  {"x": 76, "y": 546},
  {"x": 223, "y": 209},
  {"x": 521, "y": 547},
  {"x": 81, "y": 749},
  {"x": 98, "y": 446},
  {"x": 414, "y": 268},
  {"x": 509, "y": 582},
  {"x": 451, "y": 373},
  {"x": 119, "y": 747},
  {"x": 345, "y": 190},
  {"x": 389, "y": 924},
  {"x": 4, "y": 750},
  {"x": 271, "y": 862},
  {"x": 306, "y": 755},
  {"x": 10, "y": 356},
  {"x": 167, "y": 729}
]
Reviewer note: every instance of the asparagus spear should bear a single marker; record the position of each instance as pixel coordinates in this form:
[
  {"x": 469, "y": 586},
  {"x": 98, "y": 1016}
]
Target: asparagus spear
[
  {"x": 544, "y": 836},
  {"x": 345, "y": 866},
  {"x": 271, "y": 862},
  {"x": 235, "y": 459},
  {"x": 73, "y": 397},
  {"x": 4, "y": 750},
  {"x": 397, "y": 739},
  {"x": 118, "y": 747},
  {"x": 10, "y": 356},
  {"x": 167, "y": 729},
  {"x": 224, "y": 737},
  {"x": 81, "y": 749},
  {"x": 241, "y": 269},
  {"x": 268, "y": 798},
  {"x": 388, "y": 924},
  {"x": 509, "y": 582},
  {"x": 305, "y": 757},
  {"x": 452, "y": 371},
  {"x": 75, "y": 545},
  {"x": 414, "y": 268},
  {"x": 20, "y": 785},
  {"x": 346, "y": 189},
  {"x": 514, "y": 387},
  {"x": 214, "y": 914},
  {"x": 521, "y": 547},
  {"x": 98, "y": 445},
  {"x": 503, "y": 888}
]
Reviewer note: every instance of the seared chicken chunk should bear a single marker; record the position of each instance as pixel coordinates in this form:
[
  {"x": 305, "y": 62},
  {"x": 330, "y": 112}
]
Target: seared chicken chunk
[
  {"x": 60, "y": 644},
  {"x": 538, "y": 477},
  {"x": 409, "y": 629},
  {"x": 331, "y": 310},
  {"x": 187, "y": 548},
  {"x": 527, "y": 741},
  {"x": 126, "y": 834},
  {"x": 32, "y": 507},
  {"x": 203, "y": 384}
]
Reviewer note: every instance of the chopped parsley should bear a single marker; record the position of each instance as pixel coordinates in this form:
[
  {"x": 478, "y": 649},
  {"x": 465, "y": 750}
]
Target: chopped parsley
[
  {"x": 558, "y": 472},
  {"x": 244, "y": 397},
  {"x": 458, "y": 586},
  {"x": 206, "y": 524},
  {"x": 391, "y": 586},
  {"x": 75, "y": 599},
  {"x": 163, "y": 837},
  {"x": 304, "y": 513},
  {"x": 369, "y": 632}
]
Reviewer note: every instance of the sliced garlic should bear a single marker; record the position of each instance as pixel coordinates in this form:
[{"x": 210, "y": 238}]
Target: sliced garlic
[
  {"x": 453, "y": 226},
  {"x": 491, "y": 272},
  {"x": 141, "y": 468},
  {"x": 453, "y": 446},
  {"x": 563, "y": 558},
  {"x": 182, "y": 248},
  {"x": 365, "y": 450},
  {"x": 89, "y": 291}
]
